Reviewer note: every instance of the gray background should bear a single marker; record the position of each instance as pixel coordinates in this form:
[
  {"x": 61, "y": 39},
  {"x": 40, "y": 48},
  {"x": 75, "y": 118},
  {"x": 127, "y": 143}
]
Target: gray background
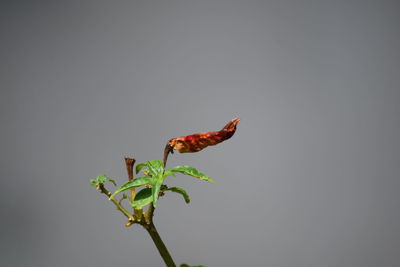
[{"x": 311, "y": 177}]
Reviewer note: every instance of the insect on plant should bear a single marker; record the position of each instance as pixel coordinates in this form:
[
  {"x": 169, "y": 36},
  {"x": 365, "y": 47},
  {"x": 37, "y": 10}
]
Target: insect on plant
[{"x": 152, "y": 186}]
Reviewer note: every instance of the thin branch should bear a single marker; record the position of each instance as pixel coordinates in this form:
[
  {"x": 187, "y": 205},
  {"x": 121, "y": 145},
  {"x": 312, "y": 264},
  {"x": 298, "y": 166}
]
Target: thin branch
[{"x": 119, "y": 207}]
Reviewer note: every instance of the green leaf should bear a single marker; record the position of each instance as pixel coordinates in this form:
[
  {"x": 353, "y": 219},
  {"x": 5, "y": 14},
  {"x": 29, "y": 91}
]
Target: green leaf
[
  {"x": 185, "y": 265},
  {"x": 101, "y": 179},
  {"x": 142, "y": 198},
  {"x": 140, "y": 166},
  {"x": 168, "y": 173},
  {"x": 155, "y": 190},
  {"x": 140, "y": 181},
  {"x": 181, "y": 191},
  {"x": 192, "y": 172},
  {"x": 155, "y": 167}
]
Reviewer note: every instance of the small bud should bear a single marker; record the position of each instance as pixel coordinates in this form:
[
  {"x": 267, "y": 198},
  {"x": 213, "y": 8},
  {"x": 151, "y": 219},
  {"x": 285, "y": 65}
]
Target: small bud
[{"x": 129, "y": 223}]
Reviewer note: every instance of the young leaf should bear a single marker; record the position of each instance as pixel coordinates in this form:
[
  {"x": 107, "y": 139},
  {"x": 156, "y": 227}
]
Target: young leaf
[
  {"x": 192, "y": 172},
  {"x": 168, "y": 173},
  {"x": 139, "y": 167},
  {"x": 140, "y": 181},
  {"x": 181, "y": 191},
  {"x": 101, "y": 179},
  {"x": 142, "y": 198},
  {"x": 155, "y": 167},
  {"x": 155, "y": 190}
]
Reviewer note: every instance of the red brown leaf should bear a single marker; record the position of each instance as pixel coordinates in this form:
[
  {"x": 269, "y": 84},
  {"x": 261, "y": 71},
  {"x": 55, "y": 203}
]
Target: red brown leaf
[{"x": 197, "y": 142}]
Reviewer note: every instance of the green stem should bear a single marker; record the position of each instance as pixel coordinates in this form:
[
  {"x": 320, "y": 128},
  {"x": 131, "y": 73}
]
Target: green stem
[
  {"x": 149, "y": 214},
  {"x": 118, "y": 205},
  {"x": 151, "y": 229}
]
